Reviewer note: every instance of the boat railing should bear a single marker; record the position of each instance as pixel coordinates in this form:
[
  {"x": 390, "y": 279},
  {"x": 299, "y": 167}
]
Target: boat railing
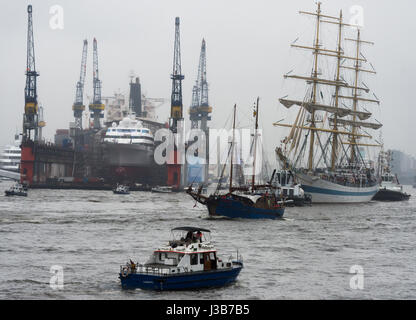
[{"x": 152, "y": 270}]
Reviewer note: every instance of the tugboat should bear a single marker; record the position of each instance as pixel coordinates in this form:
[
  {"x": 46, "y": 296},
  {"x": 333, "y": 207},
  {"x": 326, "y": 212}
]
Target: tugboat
[
  {"x": 189, "y": 261},
  {"x": 290, "y": 190},
  {"x": 121, "y": 189},
  {"x": 390, "y": 188},
  {"x": 256, "y": 202},
  {"x": 17, "y": 190}
]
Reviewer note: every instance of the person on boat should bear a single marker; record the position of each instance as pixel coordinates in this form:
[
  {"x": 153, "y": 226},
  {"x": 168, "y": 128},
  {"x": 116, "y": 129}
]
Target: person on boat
[
  {"x": 132, "y": 265},
  {"x": 188, "y": 236},
  {"x": 198, "y": 236}
]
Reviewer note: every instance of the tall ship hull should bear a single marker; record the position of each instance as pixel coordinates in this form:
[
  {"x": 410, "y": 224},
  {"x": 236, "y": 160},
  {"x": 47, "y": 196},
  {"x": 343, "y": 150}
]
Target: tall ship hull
[{"x": 324, "y": 191}]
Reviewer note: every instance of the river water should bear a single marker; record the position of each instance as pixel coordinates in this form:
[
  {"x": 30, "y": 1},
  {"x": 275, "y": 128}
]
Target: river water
[{"x": 308, "y": 255}]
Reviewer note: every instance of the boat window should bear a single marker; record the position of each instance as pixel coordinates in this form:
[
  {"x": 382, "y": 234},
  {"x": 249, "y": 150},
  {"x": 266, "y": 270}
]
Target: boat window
[
  {"x": 162, "y": 256},
  {"x": 201, "y": 258},
  {"x": 194, "y": 259},
  {"x": 212, "y": 256}
]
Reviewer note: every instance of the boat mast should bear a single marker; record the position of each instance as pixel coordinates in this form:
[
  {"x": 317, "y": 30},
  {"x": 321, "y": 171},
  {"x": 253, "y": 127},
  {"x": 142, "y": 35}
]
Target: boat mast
[
  {"x": 355, "y": 103},
  {"x": 255, "y": 144},
  {"x": 337, "y": 88},
  {"x": 315, "y": 83},
  {"x": 232, "y": 152}
]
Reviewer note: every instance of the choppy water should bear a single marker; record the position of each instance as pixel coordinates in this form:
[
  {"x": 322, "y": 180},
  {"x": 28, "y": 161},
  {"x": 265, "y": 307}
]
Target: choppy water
[{"x": 306, "y": 256}]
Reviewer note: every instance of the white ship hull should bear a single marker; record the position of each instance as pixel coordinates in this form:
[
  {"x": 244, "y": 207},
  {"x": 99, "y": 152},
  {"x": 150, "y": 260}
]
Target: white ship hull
[{"x": 324, "y": 191}]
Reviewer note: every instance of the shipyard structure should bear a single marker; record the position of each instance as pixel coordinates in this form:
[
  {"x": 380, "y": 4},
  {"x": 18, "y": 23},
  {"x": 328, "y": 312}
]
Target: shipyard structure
[{"x": 111, "y": 142}]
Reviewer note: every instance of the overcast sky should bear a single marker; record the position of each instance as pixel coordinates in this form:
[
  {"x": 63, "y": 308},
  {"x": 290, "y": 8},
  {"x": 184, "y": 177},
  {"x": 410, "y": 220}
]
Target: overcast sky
[{"x": 248, "y": 52}]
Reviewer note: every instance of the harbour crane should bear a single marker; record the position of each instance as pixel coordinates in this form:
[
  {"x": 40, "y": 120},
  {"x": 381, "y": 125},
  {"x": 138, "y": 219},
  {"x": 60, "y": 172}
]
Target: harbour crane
[
  {"x": 96, "y": 107},
  {"x": 177, "y": 77},
  {"x": 78, "y": 106},
  {"x": 30, "y": 117},
  {"x": 176, "y": 113},
  {"x": 200, "y": 109}
]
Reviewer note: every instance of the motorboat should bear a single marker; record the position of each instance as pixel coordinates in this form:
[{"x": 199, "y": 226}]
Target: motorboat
[{"x": 188, "y": 261}]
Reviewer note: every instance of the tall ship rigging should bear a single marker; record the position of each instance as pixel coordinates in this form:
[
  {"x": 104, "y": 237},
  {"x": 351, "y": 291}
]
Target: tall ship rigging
[{"x": 325, "y": 143}]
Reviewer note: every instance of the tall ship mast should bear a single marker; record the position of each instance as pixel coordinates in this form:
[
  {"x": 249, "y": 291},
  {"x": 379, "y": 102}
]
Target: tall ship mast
[{"x": 323, "y": 145}]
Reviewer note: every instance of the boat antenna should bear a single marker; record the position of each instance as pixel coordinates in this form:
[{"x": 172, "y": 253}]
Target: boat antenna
[
  {"x": 256, "y": 113},
  {"x": 232, "y": 152}
]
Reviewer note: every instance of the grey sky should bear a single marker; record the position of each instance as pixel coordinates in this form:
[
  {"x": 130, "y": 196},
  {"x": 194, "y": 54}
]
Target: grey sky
[{"x": 248, "y": 52}]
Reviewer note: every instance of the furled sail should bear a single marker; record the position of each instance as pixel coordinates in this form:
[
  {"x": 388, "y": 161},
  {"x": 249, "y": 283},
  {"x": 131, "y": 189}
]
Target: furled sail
[
  {"x": 370, "y": 125},
  {"x": 340, "y": 112},
  {"x": 361, "y": 114}
]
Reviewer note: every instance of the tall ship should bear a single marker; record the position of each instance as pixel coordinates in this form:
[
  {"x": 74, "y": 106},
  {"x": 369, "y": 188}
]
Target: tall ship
[
  {"x": 328, "y": 144},
  {"x": 10, "y": 156}
]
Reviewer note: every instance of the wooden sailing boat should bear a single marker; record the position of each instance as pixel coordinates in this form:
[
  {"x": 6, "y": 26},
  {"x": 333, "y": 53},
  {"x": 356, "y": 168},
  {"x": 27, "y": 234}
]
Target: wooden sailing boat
[
  {"x": 323, "y": 145},
  {"x": 254, "y": 202}
]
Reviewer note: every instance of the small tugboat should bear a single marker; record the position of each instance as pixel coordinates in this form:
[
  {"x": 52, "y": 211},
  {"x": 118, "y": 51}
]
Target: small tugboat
[
  {"x": 290, "y": 190},
  {"x": 121, "y": 189},
  {"x": 390, "y": 188},
  {"x": 162, "y": 189},
  {"x": 17, "y": 190},
  {"x": 189, "y": 261},
  {"x": 254, "y": 202}
]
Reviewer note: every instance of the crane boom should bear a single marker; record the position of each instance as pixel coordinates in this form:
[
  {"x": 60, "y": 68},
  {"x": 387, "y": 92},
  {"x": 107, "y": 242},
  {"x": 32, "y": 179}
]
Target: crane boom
[
  {"x": 30, "y": 117},
  {"x": 79, "y": 106},
  {"x": 200, "y": 108},
  {"x": 97, "y": 107},
  {"x": 177, "y": 77}
]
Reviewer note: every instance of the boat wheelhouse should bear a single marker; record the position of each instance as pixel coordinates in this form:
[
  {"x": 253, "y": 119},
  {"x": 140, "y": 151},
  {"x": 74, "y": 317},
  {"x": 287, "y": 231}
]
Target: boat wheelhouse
[{"x": 188, "y": 261}]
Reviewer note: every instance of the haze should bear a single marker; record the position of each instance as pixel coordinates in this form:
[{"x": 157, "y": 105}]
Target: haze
[{"x": 248, "y": 52}]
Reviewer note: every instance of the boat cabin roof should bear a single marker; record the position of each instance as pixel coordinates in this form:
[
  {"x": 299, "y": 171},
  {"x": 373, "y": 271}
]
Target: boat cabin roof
[{"x": 191, "y": 229}]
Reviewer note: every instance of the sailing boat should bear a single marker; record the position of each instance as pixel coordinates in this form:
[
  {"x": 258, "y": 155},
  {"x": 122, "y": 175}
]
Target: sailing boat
[
  {"x": 323, "y": 147},
  {"x": 257, "y": 202}
]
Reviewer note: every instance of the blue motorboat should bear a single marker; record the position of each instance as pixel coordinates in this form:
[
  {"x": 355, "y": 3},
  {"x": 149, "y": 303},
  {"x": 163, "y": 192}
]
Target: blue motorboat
[{"x": 189, "y": 261}]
